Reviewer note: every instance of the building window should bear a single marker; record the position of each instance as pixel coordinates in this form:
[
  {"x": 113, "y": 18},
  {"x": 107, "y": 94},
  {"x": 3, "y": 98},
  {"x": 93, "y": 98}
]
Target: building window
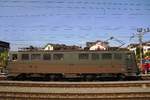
[
  {"x": 35, "y": 57},
  {"x": 58, "y": 56},
  {"x": 83, "y": 56},
  {"x": 49, "y": 48},
  {"x": 95, "y": 56},
  {"x": 14, "y": 57},
  {"x": 25, "y": 57},
  {"x": 106, "y": 56},
  {"x": 118, "y": 56},
  {"x": 47, "y": 56}
]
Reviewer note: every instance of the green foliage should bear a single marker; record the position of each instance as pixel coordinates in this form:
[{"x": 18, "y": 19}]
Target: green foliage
[
  {"x": 138, "y": 54},
  {"x": 147, "y": 54},
  {"x": 3, "y": 59}
]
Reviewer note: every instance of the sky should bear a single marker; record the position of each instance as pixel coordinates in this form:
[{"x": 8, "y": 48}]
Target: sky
[{"x": 72, "y": 22}]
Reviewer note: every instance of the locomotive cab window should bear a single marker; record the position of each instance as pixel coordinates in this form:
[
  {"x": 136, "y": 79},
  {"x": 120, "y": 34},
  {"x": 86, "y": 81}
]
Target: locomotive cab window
[
  {"x": 129, "y": 59},
  {"x": 46, "y": 56},
  {"x": 95, "y": 56},
  {"x": 106, "y": 56},
  {"x": 83, "y": 56},
  {"x": 25, "y": 57},
  {"x": 35, "y": 57},
  {"x": 14, "y": 57},
  {"x": 129, "y": 56},
  {"x": 58, "y": 56}
]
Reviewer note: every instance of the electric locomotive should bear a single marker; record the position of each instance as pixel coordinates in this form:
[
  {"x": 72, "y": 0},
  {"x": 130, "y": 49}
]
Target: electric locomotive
[{"x": 86, "y": 65}]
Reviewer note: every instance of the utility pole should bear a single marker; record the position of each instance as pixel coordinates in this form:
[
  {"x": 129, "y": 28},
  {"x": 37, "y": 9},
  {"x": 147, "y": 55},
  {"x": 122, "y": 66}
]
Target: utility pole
[
  {"x": 140, "y": 33},
  {"x": 140, "y": 37}
]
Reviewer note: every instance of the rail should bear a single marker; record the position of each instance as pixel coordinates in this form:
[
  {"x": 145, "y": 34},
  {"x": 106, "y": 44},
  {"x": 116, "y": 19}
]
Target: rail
[{"x": 135, "y": 90}]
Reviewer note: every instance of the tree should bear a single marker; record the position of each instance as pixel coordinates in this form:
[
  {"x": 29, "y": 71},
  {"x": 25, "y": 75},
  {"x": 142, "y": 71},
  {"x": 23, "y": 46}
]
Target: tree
[
  {"x": 3, "y": 59},
  {"x": 138, "y": 52},
  {"x": 147, "y": 54}
]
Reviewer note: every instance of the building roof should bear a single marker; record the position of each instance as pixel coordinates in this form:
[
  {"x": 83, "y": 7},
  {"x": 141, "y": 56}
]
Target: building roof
[
  {"x": 89, "y": 44},
  {"x": 63, "y": 47},
  {"x": 4, "y": 44},
  {"x": 147, "y": 43},
  {"x": 30, "y": 48}
]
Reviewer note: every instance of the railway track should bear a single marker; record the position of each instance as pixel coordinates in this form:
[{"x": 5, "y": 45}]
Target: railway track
[
  {"x": 145, "y": 76},
  {"x": 133, "y": 90},
  {"x": 76, "y": 84},
  {"x": 77, "y": 96}
]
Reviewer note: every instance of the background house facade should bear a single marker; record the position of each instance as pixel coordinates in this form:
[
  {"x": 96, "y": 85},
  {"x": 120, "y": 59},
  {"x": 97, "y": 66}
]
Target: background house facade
[
  {"x": 97, "y": 45},
  {"x": 50, "y": 47},
  {"x": 145, "y": 45}
]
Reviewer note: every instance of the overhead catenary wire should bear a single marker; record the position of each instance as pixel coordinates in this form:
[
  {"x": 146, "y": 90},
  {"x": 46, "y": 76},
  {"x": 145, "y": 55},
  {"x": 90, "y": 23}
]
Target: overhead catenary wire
[{"x": 54, "y": 10}]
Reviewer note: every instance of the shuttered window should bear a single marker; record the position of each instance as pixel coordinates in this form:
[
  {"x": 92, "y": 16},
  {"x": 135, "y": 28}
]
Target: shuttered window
[
  {"x": 118, "y": 56},
  {"x": 35, "y": 57},
  {"x": 25, "y": 57},
  {"x": 95, "y": 56},
  {"x": 83, "y": 56},
  {"x": 106, "y": 56},
  {"x": 47, "y": 57},
  {"x": 58, "y": 56}
]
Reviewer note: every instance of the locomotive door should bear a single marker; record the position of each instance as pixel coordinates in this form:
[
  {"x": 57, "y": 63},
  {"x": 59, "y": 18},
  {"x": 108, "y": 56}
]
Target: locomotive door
[
  {"x": 130, "y": 63},
  {"x": 70, "y": 67},
  {"x": 71, "y": 59}
]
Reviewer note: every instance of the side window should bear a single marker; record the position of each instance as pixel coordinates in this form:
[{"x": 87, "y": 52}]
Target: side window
[
  {"x": 83, "y": 56},
  {"x": 25, "y": 57},
  {"x": 58, "y": 56},
  {"x": 95, "y": 56},
  {"x": 47, "y": 56},
  {"x": 106, "y": 56},
  {"x": 14, "y": 57},
  {"x": 118, "y": 56},
  {"x": 35, "y": 57}
]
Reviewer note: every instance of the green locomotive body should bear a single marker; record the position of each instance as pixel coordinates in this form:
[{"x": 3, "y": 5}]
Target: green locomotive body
[{"x": 72, "y": 64}]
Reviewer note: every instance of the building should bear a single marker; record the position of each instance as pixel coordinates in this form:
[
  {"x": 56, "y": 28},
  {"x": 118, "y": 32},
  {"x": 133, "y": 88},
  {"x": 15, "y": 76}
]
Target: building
[
  {"x": 97, "y": 45},
  {"x": 4, "y": 46},
  {"x": 31, "y": 48},
  {"x": 145, "y": 45},
  {"x": 50, "y": 46}
]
